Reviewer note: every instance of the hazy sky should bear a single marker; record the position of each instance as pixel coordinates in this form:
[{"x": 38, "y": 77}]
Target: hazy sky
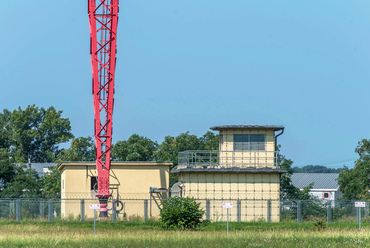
[{"x": 188, "y": 65}]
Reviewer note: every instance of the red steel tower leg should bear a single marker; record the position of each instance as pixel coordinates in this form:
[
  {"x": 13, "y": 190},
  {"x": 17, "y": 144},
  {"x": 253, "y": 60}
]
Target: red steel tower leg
[{"x": 103, "y": 18}]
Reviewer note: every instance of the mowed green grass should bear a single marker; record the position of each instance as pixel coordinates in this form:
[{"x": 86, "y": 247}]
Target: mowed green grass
[{"x": 150, "y": 234}]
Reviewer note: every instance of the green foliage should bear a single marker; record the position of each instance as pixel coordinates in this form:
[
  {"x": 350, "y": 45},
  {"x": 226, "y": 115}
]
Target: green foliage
[
  {"x": 7, "y": 168},
  {"x": 209, "y": 141},
  {"x": 17, "y": 180},
  {"x": 34, "y": 132},
  {"x": 344, "y": 211},
  {"x": 315, "y": 169},
  {"x": 355, "y": 183},
  {"x": 181, "y": 213},
  {"x": 171, "y": 146},
  {"x": 5, "y": 129},
  {"x": 81, "y": 149},
  {"x": 140, "y": 148},
  {"x": 136, "y": 148},
  {"x": 24, "y": 184},
  {"x": 320, "y": 225},
  {"x": 313, "y": 209},
  {"x": 50, "y": 183},
  {"x": 287, "y": 189}
]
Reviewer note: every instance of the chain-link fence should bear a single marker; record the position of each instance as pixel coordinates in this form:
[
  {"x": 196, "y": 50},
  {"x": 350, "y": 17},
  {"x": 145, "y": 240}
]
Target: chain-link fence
[
  {"x": 21, "y": 208},
  {"x": 143, "y": 209},
  {"x": 332, "y": 211}
]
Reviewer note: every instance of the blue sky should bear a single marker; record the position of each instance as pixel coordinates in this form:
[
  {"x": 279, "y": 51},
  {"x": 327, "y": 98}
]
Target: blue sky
[{"x": 188, "y": 65}]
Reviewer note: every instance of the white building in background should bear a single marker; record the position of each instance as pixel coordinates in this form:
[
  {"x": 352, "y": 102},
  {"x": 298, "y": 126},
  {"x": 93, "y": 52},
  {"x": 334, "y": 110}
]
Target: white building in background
[
  {"x": 41, "y": 168},
  {"x": 325, "y": 185}
]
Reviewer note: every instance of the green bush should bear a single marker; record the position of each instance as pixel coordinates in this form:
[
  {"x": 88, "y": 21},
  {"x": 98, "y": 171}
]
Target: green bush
[{"x": 181, "y": 213}]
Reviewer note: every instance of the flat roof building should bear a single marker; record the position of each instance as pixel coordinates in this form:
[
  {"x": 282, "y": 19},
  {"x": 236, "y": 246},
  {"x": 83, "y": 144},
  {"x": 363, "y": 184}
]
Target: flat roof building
[
  {"x": 245, "y": 170},
  {"x": 129, "y": 183}
]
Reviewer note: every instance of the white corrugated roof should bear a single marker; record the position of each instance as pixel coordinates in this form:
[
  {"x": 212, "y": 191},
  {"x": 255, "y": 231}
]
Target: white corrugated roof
[
  {"x": 40, "y": 166},
  {"x": 320, "y": 180}
]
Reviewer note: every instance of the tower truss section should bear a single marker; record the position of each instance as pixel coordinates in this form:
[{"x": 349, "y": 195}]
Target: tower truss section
[{"x": 103, "y": 19}]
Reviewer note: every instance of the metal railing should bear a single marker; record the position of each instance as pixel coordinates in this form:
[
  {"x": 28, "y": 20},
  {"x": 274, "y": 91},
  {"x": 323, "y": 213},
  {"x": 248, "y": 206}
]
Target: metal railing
[{"x": 228, "y": 159}]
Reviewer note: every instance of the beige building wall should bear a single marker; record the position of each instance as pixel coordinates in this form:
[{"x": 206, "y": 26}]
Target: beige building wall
[
  {"x": 253, "y": 190},
  {"x": 258, "y": 159},
  {"x": 129, "y": 181},
  {"x": 250, "y": 179}
]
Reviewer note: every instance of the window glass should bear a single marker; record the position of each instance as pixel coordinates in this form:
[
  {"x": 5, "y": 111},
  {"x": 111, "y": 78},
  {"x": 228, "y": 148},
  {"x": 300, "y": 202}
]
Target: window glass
[
  {"x": 94, "y": 183},
  {"x": 249, "y": 142}
]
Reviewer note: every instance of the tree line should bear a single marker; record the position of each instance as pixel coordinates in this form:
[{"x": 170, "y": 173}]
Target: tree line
[
  {"x": 316, "y": 169},
  {"x": 37, "y": 133}
]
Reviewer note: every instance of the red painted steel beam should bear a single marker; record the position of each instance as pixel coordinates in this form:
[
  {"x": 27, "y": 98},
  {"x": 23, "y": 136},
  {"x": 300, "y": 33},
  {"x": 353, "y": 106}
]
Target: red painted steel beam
[{"x": 103, "y": 19}]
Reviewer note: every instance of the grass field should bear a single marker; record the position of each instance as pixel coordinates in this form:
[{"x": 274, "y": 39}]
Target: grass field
[{"x": 150, "y": 234}]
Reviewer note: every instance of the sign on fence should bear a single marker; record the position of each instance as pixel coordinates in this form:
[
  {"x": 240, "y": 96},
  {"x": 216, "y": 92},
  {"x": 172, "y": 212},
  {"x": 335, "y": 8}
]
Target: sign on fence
[
  {"x": 359, "y": 204},
  {"x": 227, "y": 205},
  {"x": 94, "y": 206}
]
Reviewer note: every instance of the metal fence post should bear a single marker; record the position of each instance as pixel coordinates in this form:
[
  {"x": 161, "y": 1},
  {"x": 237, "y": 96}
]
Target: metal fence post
[
  {"x": 208, "y": 209},
  {"x": 239, "y": 211},
  {"x": 11, "y": 210},
  {"x": 50, "y": 210},
  {"x": 145, "y": 210},
  {"x": 366, "y": 209},
  {"x": 268, "y": 210},
  {"x": 42, "y": 209},
  {"x": 18, "y": 210},
  {"x": 328, "y": 215},
  {"x": 150, "y": 189},
  {"x": 299, "y": 212},
  {"x": 82, "y": 210},
  {"x": 114, "y": 212},
  {"x": 358, "y": 215}
]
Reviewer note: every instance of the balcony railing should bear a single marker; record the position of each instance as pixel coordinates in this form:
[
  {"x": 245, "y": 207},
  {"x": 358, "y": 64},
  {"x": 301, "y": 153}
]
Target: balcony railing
[{"x": 228, "y": 159}]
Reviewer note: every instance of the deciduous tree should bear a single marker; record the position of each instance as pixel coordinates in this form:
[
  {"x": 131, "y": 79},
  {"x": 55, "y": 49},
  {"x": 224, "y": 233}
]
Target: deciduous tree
[
  {"x": 7, "y": 168},
  {"x": 50, "y": 183},
  {"x": 81, "y": 149},
  {"x": 171, "y": 146},
  {"x": 136, "y": 148},
  {"x": 287, "y": 190},
  {"x": 355, "y": 183},
  {"x": 35, "y": 132},
  {"x": 25, "y": 183}
]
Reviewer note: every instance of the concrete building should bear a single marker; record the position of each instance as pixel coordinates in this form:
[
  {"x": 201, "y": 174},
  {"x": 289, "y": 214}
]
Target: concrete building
[
  {"x": 129, "y": 183},
  {"x": 325, "y": 185},
  {"x": 245, "y": 171}
]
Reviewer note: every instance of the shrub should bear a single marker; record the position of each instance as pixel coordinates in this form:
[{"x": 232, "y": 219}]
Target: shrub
[
  {"x": 181, "y": 213},
  {"x": 320, "y": 225}
]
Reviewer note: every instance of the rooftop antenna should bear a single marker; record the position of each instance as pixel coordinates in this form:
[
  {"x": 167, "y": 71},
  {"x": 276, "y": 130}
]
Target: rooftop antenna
[{"x": 29, "y": 160}]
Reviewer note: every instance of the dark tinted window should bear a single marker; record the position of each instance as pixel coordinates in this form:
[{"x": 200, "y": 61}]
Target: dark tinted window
[
  {"x": 94, "y": 183},
  {"x": 249, "y": 142}
]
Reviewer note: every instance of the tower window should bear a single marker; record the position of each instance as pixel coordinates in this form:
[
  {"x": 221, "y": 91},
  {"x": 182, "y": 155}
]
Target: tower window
[{"x": 249, "y": 142}]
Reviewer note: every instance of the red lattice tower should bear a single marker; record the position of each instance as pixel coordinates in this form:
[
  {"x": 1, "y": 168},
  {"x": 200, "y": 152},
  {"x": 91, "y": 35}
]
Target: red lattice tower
[{"x": 103, "y": 18}]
